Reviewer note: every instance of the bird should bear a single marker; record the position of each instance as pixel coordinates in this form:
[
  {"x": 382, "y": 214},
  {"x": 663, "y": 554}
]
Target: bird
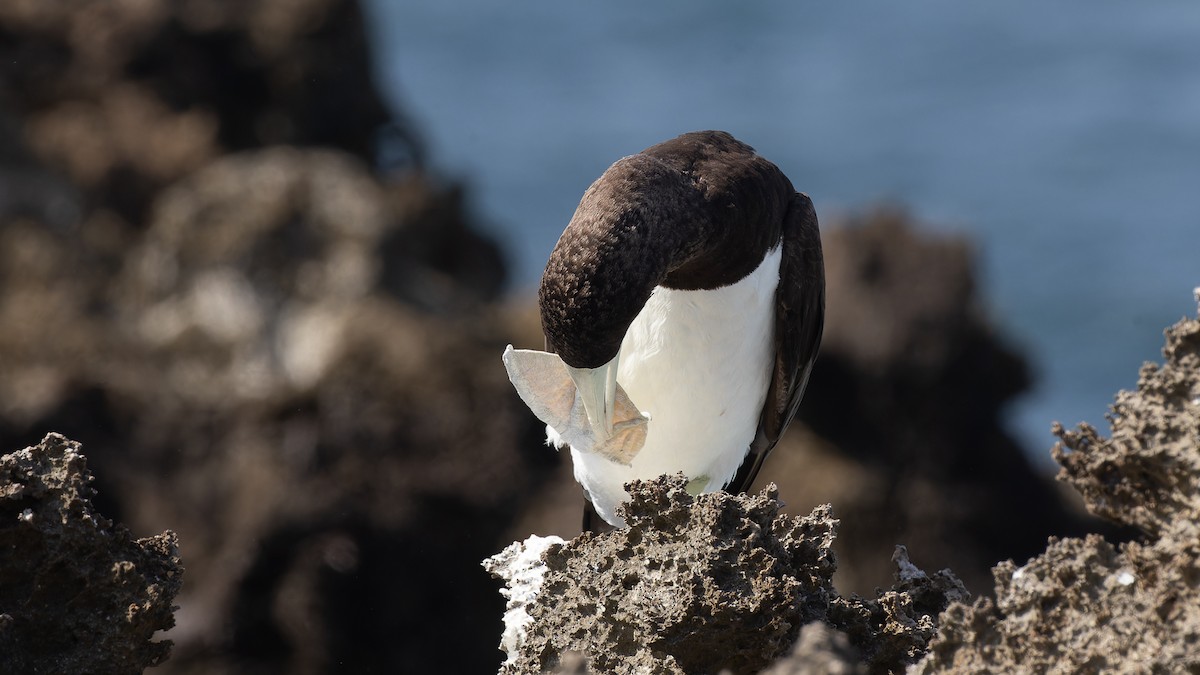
[{"x": 691, "y": 280}]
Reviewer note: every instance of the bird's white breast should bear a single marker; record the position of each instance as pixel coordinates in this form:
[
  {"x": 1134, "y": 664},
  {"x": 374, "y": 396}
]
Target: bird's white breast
[{"x": 699, "y": 363}]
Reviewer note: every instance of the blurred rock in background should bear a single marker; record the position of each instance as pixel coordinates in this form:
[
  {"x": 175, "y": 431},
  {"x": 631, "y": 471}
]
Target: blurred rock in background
[{"x": 292, "y": 360}]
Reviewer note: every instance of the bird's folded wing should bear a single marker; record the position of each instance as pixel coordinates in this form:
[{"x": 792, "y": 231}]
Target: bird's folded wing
[{"x": 542, "y": 381}]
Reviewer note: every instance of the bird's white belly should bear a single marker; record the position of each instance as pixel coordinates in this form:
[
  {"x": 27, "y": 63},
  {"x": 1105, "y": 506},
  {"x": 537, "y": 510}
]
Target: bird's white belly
[{"x": 699, "y": 363}]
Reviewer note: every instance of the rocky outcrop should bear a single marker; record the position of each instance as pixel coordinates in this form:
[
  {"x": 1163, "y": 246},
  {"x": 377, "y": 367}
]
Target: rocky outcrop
[
  {"x": 1085, "y": 605},
  {"x": 79, "y": 594},
  {"x": 701, "y": 584}
]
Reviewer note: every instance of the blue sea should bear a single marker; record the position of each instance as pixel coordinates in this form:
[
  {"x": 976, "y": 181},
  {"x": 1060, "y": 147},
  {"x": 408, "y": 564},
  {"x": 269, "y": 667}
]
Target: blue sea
[{"x": 1063, "y": 138}]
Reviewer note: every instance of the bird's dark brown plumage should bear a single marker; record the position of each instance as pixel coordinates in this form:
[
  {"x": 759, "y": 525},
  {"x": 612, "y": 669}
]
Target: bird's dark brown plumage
[{"x": 697, "y": 212}]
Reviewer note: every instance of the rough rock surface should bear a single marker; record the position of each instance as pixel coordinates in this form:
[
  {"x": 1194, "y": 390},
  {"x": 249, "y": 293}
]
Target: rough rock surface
[
  {"x": 78, "y": 594},
  {"x": 700, "y": 584},
  {"x": 1088, "y": 606},
  {"x": 1147, "y": 474}
]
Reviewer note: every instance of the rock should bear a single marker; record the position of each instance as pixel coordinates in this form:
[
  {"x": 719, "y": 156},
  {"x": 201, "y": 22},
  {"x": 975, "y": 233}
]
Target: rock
[
  {"x": 79, "y": 594},
  {"x": 1147, "y": 474},
  {"x": 127, "y": 97},
  {"x": 1085, "y": 605},
  {"x": 700, "y": 584},
  {"x": 304, "y": 426},
  {"x": 820, "y": 650},
  {"x": 522, "y": 568}
]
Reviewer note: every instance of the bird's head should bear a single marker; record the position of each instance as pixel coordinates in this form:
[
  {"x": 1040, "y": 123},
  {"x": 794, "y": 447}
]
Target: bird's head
[
  {"x": 672, "y": 215},
  {"x": 616, "y": 249}
]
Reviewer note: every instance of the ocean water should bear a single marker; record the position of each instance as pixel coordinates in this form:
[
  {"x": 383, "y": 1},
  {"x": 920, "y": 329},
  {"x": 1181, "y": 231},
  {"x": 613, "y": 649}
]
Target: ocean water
[{"x": 1063, "y": 137}]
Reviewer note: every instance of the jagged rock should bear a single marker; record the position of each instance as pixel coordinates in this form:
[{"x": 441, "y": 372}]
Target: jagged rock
[
  {"x": 700, "y": 584},
  {"x": 78, "y": 594},
  {"x": 1147, "y": 474},
  {"x": 1085, "y": 605},
  {"x": 896, "y": 627}
]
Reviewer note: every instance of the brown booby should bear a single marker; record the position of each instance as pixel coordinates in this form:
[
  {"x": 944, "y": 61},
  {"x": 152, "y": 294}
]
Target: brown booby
[{"x": 689, "y": 283}]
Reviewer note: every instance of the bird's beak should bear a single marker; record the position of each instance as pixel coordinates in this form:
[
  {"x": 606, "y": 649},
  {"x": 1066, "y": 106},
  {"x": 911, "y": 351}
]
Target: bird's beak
[{"x": 597, "y": 389}]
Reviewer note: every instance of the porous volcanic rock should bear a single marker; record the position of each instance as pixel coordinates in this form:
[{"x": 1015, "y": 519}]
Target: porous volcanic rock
[
  {"x": 1147, "y": 473},
  {"x": 1085, "y": 605},
  {"x": 78, "y": 594},
  {"x": 718, "y": 581}
]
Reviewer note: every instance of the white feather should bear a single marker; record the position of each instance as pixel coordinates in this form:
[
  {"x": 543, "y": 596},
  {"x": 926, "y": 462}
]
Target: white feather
[{"x": 698, "y": 362}]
